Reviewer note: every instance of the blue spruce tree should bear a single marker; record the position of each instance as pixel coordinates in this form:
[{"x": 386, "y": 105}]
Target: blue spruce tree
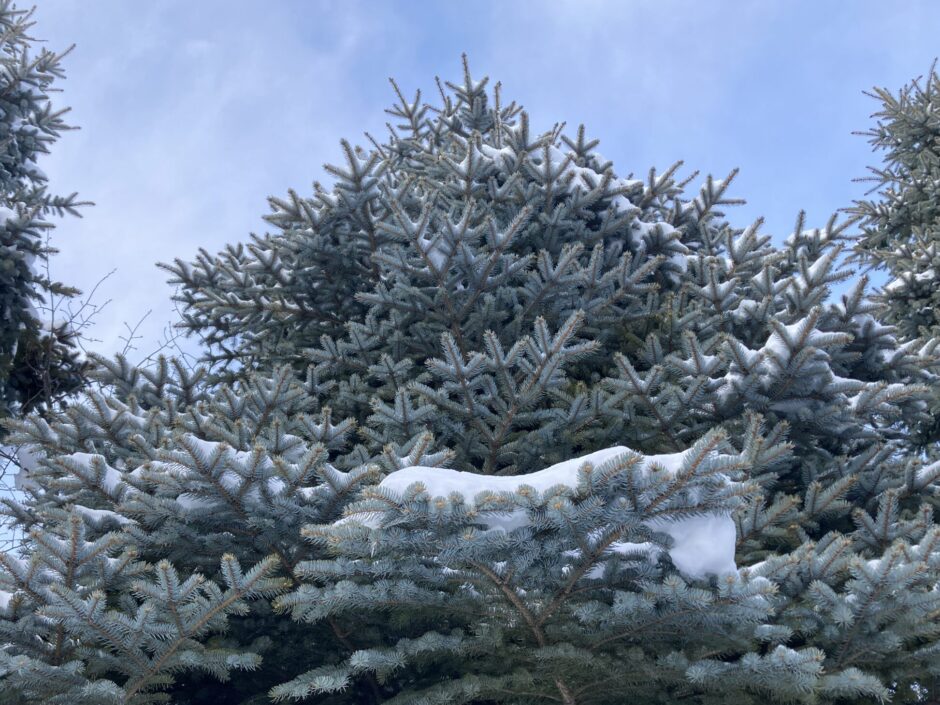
[
  {"x": 901, "y": 230},
  {"x": 487, "y": 423}
]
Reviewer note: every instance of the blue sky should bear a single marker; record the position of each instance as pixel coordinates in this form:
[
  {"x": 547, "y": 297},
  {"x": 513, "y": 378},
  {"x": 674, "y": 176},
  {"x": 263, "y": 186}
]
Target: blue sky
[{"x": 192, "y": 112}]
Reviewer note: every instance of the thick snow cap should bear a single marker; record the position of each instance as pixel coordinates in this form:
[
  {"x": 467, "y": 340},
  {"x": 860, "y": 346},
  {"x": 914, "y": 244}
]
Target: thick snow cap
[{"x": 704, "y": 545}]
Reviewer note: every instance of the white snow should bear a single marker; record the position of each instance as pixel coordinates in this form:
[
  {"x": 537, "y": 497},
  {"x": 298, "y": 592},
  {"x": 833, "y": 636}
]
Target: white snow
[
  {"x": 901, "y": 282},
  {"x": 111, "y": 479},
  {"x": 239, "y": 476},
  {"x": 85, "y": 463},
  {"x": 5, "y": 599},
  {"x": 681, "y": 261},
  {"x": 642, "y": 231},
  {"x": 231, "y": 481},
  {"x": 780, "y": 347},
  {"x": 926, "y": 474},
  {"x": 789, "y": 339},
  {"x": 98, "y": 516},
  {"x": 6, "y": 214},
  {"x": 647, "y": 550},
  {"x": 192, "y": 503},
  {"x": 27, "y": 458},
  {"x": 31, "y": 168},
  {"x": 506, "y": 155},
  {"x": 895, "y": 284},
  {"x": 441, "y": 481},
  {"x": 703, "y": 544},
  {"x": 816, "y": 270},
  {"x": 207, "y": 448},
  {"x": 434, "y": 250}
]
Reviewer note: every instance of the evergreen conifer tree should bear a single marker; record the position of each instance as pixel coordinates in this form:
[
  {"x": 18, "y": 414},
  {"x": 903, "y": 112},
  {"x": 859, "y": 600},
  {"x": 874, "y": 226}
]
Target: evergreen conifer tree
[
  {"x": 901, "y": 232},
  {"x": 901, "y": 229},
  {"x": 39, "y": 360},
  {"x": 487, "y": 423}
]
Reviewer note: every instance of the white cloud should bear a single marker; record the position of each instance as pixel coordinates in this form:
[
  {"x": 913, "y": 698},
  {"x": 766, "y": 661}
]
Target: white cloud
[{"x": 188, "y": 122}]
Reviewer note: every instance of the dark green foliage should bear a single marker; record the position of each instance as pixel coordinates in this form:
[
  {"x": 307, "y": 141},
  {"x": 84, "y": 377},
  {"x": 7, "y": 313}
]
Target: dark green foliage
[{"x": 39, "y": 362}]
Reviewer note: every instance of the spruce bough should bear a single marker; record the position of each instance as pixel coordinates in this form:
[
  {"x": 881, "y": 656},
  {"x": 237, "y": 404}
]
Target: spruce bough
[
  {"x": 40, "y": 363},
  {"x": 470, "y": 297}
]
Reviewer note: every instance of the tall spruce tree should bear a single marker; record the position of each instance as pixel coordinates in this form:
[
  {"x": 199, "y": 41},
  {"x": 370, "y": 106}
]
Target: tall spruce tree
[
  {"x": 901, "y": 229},
  {"x": 39, "y": 360},
  {"x": 490, "y": 423}
]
